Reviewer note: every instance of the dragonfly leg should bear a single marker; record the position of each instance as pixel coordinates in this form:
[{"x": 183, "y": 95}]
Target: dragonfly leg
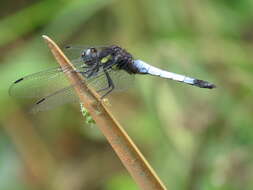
[
  {"x": 94, "y": 68},
  {"x": 89, "y": 72},
  {"x": 110, "y": 85},
  {"x": 84, "y": 72},
  {"x": 108, "y": 82},
  {"x": 103, "y": 89}
]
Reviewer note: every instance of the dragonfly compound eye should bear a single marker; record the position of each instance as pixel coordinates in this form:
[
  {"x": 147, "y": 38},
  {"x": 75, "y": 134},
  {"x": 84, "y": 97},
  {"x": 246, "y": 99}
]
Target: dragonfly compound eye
[
  {"x": 83, "y": 54},
  {"x": 90, "y": 52},
  {"x": 93, "y": 50}
]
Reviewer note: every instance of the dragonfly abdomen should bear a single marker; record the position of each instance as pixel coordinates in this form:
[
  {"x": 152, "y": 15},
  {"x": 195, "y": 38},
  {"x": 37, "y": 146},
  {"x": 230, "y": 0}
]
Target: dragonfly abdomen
[{"x": 145, "y": 68}]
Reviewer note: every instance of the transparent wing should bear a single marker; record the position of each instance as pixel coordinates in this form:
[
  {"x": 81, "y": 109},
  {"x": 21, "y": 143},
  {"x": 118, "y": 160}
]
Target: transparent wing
[
  {"x": 55, "y": 99},
  {"x": 42, "y": 83},
  {"x": 121, "y": 80},
  {"x": 73, "y": 52}
]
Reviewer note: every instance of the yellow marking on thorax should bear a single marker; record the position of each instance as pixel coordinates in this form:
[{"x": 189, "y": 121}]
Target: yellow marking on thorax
[{"x": 106, "y": 59}]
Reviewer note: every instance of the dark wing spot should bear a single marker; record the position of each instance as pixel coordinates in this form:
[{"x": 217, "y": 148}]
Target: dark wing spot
[
  {"x": 203, "y": 84},
  {"x": 41, "y": 100},
  {"x": 18, "y": 80},
  {"x": 67, "y": 47}
]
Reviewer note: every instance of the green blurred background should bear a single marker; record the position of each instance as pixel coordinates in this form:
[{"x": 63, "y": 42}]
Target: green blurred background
[{"x": 195, "y": 139}]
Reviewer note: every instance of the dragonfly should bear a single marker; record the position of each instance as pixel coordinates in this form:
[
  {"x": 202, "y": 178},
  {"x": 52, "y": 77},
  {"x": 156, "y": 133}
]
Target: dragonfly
[{"x": 104, "y": 68}]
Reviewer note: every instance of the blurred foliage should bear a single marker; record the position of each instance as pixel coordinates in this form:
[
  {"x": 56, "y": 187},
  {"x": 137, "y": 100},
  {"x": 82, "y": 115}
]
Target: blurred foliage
[{"x": 193, "y": 138}]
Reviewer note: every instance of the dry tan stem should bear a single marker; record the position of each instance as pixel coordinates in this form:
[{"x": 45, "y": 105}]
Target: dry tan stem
[{"x": 124, "y": 147}]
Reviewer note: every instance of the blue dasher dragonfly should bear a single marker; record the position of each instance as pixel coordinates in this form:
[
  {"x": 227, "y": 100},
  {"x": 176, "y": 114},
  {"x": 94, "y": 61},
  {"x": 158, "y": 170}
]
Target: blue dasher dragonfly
[{"x": 104, "y": 68}]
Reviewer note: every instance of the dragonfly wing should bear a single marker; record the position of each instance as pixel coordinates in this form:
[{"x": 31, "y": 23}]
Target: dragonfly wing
[
  {"x": 37, "y": 84},
  {"x": 73, "y": 52},
  {"x": 121, "y": 80},
  {"x": 55, "y": 99},
  {"x": 61, "y": 96},
  {"x": 42, "y": 83}
]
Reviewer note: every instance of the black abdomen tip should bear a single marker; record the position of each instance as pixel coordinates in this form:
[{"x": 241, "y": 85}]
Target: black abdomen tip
[{"x": 203, "y": 84}]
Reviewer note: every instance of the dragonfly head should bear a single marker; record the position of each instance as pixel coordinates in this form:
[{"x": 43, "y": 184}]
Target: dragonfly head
[{"x": 89, "y": 55}]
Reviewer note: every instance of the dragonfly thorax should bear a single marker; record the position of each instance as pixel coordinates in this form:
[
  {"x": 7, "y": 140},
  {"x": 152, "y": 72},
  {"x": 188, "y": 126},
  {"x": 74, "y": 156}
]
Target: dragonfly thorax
[
  {"x": 109, "y": 57},
  {"x": 119, "y": 57}
]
